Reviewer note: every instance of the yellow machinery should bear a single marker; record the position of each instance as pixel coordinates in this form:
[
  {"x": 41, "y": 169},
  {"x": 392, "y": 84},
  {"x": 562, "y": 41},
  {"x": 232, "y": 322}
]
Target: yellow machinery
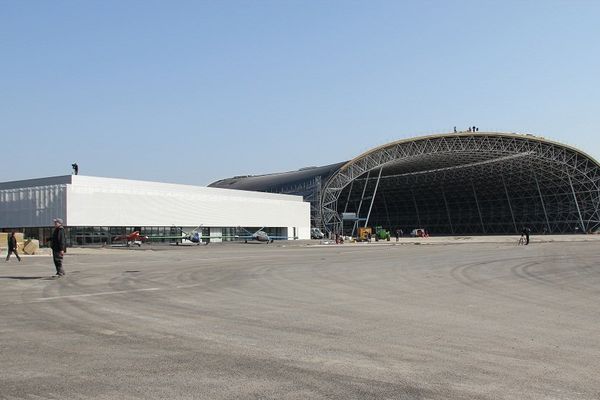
[{"x": 363, "y": 233}]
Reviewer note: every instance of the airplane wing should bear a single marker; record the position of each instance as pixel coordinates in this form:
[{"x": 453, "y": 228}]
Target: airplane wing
[
  {"x": 174, "y": 237},
  {"x": 246, "y": 234}
]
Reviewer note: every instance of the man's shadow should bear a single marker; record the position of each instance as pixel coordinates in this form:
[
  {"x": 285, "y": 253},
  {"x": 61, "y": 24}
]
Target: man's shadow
[{"x": 22, "y": 278}]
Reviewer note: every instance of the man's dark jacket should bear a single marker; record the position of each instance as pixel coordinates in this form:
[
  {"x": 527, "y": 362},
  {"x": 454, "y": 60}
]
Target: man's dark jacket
[
  {"x": 59, "y": 242},
  {"x": 12, "y": 243}
]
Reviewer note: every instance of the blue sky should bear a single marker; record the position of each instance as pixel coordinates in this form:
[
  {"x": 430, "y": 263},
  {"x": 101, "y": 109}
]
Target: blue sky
[{"x": 193, "y": 91}]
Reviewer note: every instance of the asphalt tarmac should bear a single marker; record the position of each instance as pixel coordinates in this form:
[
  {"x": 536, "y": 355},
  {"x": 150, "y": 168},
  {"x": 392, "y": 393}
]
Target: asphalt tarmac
[{"x": 233, "y": 321}]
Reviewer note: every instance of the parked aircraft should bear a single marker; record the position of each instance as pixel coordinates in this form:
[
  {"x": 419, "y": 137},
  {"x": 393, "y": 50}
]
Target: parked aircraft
[
  {"x": 261, "y": 236},
  {"x": 194, "y": 236},
  {"x": 315, "y": 233},
  {"x": 134, "y": 238}
]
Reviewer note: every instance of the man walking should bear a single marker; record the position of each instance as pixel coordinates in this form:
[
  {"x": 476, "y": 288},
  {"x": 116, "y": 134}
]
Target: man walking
[
  {"x": 12, "y": 247},
  {"x": 59, "y": 246},
  {"x": 525, "y": 233}
]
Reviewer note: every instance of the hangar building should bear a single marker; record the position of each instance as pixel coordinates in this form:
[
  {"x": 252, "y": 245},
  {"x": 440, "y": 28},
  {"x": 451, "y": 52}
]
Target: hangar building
[
  {"x": 456, "y": 183},
  {"x": 96, "y": 209}
]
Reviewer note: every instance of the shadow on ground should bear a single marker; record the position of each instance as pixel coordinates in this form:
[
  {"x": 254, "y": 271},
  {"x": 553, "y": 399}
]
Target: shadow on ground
[{"x": 23, "y": 277}]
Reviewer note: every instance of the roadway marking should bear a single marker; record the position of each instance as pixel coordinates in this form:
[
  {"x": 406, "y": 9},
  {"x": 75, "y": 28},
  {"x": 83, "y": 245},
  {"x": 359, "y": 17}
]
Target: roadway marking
[
  {"x": 76, "y": 296},
  {"x": 70, "y": 296}
]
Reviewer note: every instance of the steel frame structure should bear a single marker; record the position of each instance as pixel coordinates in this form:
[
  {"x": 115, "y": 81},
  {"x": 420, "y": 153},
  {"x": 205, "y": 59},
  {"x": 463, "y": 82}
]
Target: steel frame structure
[{"x": 467, "y": 183}]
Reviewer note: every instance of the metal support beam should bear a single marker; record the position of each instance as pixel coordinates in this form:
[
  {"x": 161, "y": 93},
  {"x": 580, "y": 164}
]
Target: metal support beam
[
  {"x": 447, "y": 210},
  {"x": 478, "y": 209},
  {"x": 542, "y": 200},
  {"x": 361, "y": 201},
  {"x": 348, "y": 199},
  {"x": 373, "y": 197},
  {"x": 509, "y": 205},
  {"x": 576, "y": 203}
]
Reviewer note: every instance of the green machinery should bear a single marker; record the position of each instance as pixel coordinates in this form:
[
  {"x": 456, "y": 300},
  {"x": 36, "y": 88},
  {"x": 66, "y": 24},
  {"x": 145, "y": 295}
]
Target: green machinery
[{"x": 382, "y": 234}]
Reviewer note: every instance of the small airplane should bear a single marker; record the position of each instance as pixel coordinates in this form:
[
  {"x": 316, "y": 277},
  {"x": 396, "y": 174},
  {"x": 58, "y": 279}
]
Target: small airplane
[
  {"x": 134, "y": 238},
  {"x": 261, "y": 236},
  {"x": 194, "y": 236}
]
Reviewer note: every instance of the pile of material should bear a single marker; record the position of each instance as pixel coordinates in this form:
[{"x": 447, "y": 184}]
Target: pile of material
[{"x": 29, "y": 246}]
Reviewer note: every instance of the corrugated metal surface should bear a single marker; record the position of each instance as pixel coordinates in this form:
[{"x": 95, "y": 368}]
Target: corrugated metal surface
[
  {"x": 29, "y": 183},
  {"x": 32, "y": 206}
]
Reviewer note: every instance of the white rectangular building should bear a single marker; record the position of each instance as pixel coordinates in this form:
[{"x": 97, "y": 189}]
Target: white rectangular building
[{"x": 94, "y": 205}]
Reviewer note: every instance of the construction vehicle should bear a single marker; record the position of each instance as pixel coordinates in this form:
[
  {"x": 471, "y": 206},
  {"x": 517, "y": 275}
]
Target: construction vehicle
[
  {"x": 364, "y": 232},
  {"x": 382, "y": 234}
]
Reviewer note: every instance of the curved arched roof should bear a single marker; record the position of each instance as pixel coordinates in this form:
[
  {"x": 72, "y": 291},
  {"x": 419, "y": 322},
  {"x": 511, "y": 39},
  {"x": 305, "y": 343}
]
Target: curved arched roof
[
  {"x": 463, "y": 157},
  {"x": 474, "y": 135}
]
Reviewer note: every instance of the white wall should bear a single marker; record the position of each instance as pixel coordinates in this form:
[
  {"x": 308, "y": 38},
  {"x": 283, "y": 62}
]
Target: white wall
[{"x": 96, "y": 201}]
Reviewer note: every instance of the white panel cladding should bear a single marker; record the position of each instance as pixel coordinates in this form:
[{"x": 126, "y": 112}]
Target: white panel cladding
[
  {"x": 32, "y": 206},
  {"x": 116, "y": 202}
]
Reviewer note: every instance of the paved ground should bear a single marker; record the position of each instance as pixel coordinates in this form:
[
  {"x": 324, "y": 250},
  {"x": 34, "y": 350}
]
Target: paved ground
[{"x": 462, "y": 321}]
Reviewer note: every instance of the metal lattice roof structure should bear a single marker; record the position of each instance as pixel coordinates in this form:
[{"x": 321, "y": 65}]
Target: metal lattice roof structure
[{"x": 456, "y": 183}]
